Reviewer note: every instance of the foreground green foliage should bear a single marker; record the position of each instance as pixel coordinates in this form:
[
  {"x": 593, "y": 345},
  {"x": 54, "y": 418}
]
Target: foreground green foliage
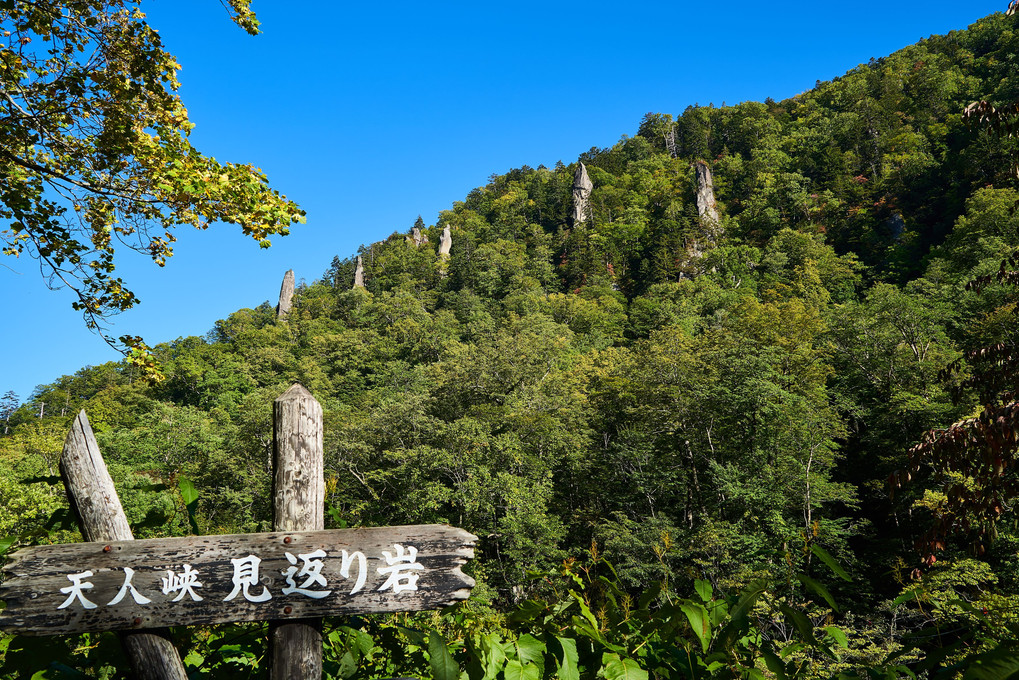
[{"x": 715, "y": 410}]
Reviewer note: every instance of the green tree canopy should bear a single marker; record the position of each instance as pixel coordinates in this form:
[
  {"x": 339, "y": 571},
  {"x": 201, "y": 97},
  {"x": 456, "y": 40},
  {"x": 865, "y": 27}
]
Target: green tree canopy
[{"x": 94, "y": 150}]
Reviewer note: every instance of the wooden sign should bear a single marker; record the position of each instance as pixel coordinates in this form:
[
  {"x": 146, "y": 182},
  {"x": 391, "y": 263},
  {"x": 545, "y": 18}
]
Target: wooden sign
[{"x": 57, "y": 589}]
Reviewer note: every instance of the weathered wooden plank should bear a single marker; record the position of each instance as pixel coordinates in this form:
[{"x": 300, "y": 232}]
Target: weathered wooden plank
[
  {"x": 38, "y": 580},
  {"x": 295, "y": 649},
  {"x": 94, "y": 500}
]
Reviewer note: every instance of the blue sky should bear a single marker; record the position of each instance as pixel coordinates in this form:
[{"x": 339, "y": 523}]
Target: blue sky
[{"x": 370, "y": 114}]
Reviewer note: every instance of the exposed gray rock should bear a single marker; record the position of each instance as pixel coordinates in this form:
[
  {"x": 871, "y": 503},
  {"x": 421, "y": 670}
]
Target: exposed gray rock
[
  {"x": 286, "y": 295},
  {"x": 417, "y": 238},
  {"x": 705, "y": 193},
  {"x": 707, "y": 210},
  {"x": 582, "y": 186},
  {"x": 445, "y": 243},
  {"x": 359, "y": 273}
]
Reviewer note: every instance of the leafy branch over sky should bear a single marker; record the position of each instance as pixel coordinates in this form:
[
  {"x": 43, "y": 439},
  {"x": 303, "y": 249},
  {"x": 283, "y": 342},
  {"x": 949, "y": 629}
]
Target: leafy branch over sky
[{"x": 95, "y": 155}]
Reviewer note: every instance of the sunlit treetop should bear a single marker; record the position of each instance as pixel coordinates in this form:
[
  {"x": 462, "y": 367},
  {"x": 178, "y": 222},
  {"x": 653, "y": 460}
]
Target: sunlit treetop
[{"x": 95, "y": 154}]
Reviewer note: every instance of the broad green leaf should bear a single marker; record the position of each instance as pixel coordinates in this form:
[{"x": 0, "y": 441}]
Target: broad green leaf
[
  {"x": 584, "y": 628},
  {"x": 719, "y": 612},
  {"x": 190, "y": 495},
  {"x": 530, "y": 649},
  {"x": 649, "y": 595},
  {"x": 905, "y": 597},
  {"x": 495, "y": 657},
  {"x": 348, "y": 666},
  {"x": 439, "y": 658},
  {"x": 614, "y": 668},
  {"x": 703, "y": 589},
  {"x": 569, "y": 664},
  {"x": 774, "y": 664},
  {"x": 825, "y": 557},
  {"x": 1001, "y": 663},
  {"x": 747, "y": 599},
  {"x": 193, "y": 658},
  {"x": 528, "y": 610},
  {"x": 791, "y": 648},
  {"x": 813, "y": 585},
  {"x": 187, "y": 491},
  {"x": 518, "y": 671},
  {"x": 6, "y": 542},
  {"x": 585, "y": 610},
  {"x": 364, "y": 642},
  {"x": 801, "y": 622},
  {"x": 414, "y": 636},
  {"x": 557, "y": 610},
  {"x": 838, "y": 635},
  {"x": 698, "y": 618}
]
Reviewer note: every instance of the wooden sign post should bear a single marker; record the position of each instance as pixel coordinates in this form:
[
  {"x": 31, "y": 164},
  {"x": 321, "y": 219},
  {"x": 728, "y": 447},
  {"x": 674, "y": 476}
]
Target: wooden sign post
[
  {"x": 94, "y": 500},
  {"x": 298, "y": 498},
  {"x": 292, "y": 576},
  {"x": 197, "y": 580}
]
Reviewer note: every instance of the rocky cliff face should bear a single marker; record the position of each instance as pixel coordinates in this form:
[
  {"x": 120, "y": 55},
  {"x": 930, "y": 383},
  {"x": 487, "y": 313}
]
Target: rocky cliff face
[
  {"x": 417, "y": 238},
  {"x": 359, "y": 273},
  {"x": 707, "y": 210},
  {"x": 705, "y": 194},
  {"x": 582, "y": 186},
  {"x": 445, "y": 243},
  {"x": 286, "y": 295}
]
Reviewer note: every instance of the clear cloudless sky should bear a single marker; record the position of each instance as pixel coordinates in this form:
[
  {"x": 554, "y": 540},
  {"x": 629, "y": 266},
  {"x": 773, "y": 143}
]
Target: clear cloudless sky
[{"x": 369, "y": 114}]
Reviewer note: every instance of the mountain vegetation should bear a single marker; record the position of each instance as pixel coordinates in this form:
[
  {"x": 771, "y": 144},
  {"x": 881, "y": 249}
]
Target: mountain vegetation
[{"x": 692, "y": 446}]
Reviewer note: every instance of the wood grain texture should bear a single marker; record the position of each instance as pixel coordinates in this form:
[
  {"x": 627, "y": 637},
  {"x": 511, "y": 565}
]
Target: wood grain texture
[
  {"x": 298, "y": 483},
  {"x": 35, "y": 576},
  {"x": 295, "y": 649},
  {"x": 95, "y": 501},
  {"x": 89, "y": 486}
]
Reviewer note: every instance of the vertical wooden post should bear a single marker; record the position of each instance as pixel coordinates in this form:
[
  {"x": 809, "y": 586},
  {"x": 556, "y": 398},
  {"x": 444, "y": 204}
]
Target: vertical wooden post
[
  {"x": 101, "y": 517},
  {"x": 298, "y": 498}
]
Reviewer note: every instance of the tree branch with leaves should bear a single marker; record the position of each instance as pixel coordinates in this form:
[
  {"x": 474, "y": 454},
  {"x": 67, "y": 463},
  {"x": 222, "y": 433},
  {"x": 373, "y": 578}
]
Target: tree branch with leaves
[{"x": 95, "y": 153}]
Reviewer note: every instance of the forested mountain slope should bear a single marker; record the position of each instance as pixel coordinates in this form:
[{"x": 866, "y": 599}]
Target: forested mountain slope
[{"x": 694, "y": 399}]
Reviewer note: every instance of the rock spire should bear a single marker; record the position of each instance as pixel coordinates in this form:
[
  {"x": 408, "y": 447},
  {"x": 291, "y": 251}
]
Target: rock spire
[
  {"x": 582, "y": 186},
  {"x": 445, "y": 243},
  {"x": 706, "y": 194},
  {"x": 417, "y": 238},
  {"x": 286, "y": 295},
  {"x": 359, "y": 273}
]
